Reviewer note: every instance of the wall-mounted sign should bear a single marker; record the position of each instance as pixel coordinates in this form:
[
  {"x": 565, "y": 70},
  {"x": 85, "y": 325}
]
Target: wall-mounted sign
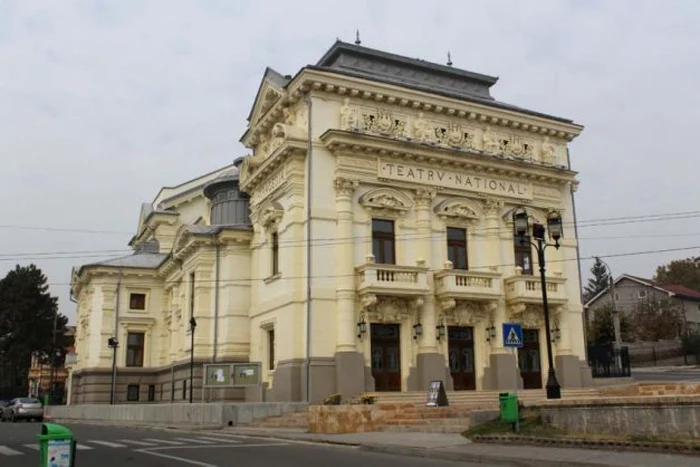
[{"x": 218, "y": 375}]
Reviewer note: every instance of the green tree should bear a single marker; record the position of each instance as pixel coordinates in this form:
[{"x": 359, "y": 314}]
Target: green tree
[
  {"x": 602, "y": 328},
  {"x": 684, "y": 272},
  {"x": 28, "y": 317},
  {"x": 599, "y": 281},
  {"x": 656, "y": 319}
]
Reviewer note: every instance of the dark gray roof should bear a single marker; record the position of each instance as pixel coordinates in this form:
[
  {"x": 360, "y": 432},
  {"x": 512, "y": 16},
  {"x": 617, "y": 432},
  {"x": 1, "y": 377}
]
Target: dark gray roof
[
  {"x": 229, "y": 177},
  {"x": 138, "y": 260},
  {"x": 376, "y": 65}
]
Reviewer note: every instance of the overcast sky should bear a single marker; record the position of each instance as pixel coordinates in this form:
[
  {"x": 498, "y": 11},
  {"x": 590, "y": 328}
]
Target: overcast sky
[{"x": 104, "y": 102}]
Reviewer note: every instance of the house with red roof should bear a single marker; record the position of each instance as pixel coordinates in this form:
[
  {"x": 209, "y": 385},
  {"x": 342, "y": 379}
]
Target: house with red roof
[{"x": 630, "y": 290}]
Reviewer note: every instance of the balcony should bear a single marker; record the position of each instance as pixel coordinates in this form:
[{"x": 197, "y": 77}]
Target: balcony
[
  {"x": 527, "y": 290},
  {"x": 392, "y": 279},
  {"x": 467, "y": 285}
]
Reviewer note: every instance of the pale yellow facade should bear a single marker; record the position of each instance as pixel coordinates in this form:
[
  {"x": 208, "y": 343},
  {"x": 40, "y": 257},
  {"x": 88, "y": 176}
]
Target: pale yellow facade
[{"x": 331, "y": 152}]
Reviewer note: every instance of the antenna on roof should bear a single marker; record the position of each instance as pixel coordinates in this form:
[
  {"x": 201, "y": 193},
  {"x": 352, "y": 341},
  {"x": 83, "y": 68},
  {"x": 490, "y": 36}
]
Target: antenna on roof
[
  {"x": 357, "y": 37},
  {"x": 449, "y": 58}
]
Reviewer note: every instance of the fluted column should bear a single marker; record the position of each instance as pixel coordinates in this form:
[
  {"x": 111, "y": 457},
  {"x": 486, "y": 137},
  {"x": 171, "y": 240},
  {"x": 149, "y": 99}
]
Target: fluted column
[
  {"x": 494, "y": 258},
  {"x": 345, "y": 269},
  {"x": 423, "y": 198}
]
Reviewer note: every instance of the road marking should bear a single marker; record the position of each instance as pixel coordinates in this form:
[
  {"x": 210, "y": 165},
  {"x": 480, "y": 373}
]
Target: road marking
[
  {"x": 137, "y": 443},
  {"x": 5, "y": 451},
  {"x": 220, "y": 440},
  {"x": 107, "y": 443},
  {"x": 31, "y": 446},
  {"x": 82, "y": 447},
  {"x": 152, "y": 452},
  {"x": 165, "y": 441},
  {"x": 194, "y": 440}
]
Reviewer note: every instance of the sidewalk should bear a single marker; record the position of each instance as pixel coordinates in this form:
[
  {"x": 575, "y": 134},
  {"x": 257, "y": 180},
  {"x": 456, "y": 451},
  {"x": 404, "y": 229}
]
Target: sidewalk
[{"x": 455, "y": 447}]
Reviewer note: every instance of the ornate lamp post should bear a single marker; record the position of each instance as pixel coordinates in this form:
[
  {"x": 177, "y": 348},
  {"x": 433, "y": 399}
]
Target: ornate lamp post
[
  {"x": 554, "y": 226},
  {"x": 113, "y": 344},
  {"x": 193, "y": 325}
]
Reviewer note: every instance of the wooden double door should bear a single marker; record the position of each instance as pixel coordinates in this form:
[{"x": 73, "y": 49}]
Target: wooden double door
[
  {"x": 529, "y": 359},
  {"x": 460, "y": 349},
  {"x": 386, "y": 356}
]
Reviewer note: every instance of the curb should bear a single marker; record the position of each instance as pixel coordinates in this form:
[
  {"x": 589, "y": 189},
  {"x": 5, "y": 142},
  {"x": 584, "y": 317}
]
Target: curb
[{"x": 635, "y": 446}]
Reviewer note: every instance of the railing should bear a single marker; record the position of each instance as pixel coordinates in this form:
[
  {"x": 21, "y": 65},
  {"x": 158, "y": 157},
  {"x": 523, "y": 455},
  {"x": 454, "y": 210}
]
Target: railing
[
  {"x": 388, "y": 277},
  {"x": 529, "y": 288},
  {"x": 608, "y": 362},
  {"x": 467, "y": 284}
]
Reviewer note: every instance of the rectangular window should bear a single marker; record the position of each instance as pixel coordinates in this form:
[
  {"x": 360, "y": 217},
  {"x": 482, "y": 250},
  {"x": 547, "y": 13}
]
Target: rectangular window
[
  {"x": 184, "y": 389},
  {"x": 275, "y": 254},
  {"x": 132, "y": 393},
  {"x": 523, "y": 254},
  {"x": 134, "y": 349},
  {"x": 137, "y": 301},
  {"x": 151, "y": 392},
  {"x": 271, "y": 349},
  {"x": 457, "y": 248},
  {"x": 641, "y": 294},
  {"x": 383, "y": 243}
]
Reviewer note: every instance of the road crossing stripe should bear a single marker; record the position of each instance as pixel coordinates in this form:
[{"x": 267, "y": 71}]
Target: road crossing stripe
[
  {"x": 32, "y": 446},
  {"x": 5, "y": 451},
  {"x": 109, "y": 444},
  {"x": 137, "y": 443},
  {"x": 165, "y": 441},
  {"x": 82, "y": 447},
  {"x": 193, "y": 440},
  {"x": 220, "y": 440}
]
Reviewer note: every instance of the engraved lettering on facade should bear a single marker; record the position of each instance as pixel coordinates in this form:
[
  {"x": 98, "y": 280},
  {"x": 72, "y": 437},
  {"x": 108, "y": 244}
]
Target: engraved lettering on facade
[{"x": 455, "y": 179}]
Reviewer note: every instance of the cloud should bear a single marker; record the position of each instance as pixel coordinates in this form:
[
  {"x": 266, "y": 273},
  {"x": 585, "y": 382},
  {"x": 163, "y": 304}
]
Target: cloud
[{"x": 105, "y": 102}]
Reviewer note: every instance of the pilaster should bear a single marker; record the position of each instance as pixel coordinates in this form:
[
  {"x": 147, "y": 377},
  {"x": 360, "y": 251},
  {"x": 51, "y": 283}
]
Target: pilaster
[{"x": 345, "y": 270}]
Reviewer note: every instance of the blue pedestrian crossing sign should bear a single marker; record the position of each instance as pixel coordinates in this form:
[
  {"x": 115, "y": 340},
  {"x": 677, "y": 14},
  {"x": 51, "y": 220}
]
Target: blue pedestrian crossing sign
[{"x": 512, "y": 335}]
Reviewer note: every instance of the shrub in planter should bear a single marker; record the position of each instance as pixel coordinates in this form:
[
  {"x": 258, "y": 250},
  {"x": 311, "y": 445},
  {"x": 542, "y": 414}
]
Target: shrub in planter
[{"x": 333, "y": 399}]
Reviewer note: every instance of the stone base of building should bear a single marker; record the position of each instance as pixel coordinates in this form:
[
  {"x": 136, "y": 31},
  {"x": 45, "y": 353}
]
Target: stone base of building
[
  {"x": 501, "y": 374},
  {"x": 350, "y": 374},
  {"x": 429, "y": 367},
  {"x": 572, "y": 372},
  {"x": 155, "y": 385}
]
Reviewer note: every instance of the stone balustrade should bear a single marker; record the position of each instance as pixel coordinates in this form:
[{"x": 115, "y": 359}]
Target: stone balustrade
[
  {"x": 392, "y": 279},
  {"x": 528, "y": 290},
  {"x": 467, "y": 285}
]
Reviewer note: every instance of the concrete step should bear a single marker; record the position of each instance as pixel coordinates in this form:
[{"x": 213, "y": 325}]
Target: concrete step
[{"x": 424, "y": 428}]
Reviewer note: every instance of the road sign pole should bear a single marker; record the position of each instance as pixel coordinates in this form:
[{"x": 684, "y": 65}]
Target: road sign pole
[{"x": 515, "y": 359}]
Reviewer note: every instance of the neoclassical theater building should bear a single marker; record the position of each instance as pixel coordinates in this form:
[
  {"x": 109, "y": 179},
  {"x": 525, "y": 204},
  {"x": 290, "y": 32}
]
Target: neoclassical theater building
[{"x": 365, "y": 244}]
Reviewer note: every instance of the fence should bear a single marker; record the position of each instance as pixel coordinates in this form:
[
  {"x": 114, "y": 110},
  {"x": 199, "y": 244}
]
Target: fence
[{"x": 606, "y": 361}]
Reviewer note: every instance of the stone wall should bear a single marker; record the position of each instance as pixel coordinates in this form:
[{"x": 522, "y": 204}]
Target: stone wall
[
  {"x": 650, "y": 389},
  {"x": 212, "y": 415},
  {"x": 659, "y": 416}
]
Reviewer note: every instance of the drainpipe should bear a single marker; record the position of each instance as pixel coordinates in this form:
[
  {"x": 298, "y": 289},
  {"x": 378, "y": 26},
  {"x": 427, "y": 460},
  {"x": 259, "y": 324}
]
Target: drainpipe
[
  {"x": 309, "y": 184},
  {"x": 578, "y": 261},
  {"x": 216, "y": 301},
  {"x": 115, "y": 334}
]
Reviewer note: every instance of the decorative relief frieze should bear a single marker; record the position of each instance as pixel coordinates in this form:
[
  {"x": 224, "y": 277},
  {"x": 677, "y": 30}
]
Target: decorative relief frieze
[
  {"x": 345, "y": 187},
  {"x": 458, "y": 211},
  {"x": 465, "y": 313},
  {"x": 454, "y": 133},
  {"x": 272, "y": 183},
  {"x": 389, "y": 309}
]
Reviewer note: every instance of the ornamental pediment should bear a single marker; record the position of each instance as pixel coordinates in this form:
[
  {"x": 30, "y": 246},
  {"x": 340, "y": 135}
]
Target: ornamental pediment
[
  {"x": 458, "y": 210},
  {"x": 386, "y": 201}
]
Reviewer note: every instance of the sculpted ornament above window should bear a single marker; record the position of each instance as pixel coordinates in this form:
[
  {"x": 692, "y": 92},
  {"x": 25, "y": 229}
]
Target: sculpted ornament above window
[
  {"x": 458, "y": 211},
  {"x": 387, "y": 202}
]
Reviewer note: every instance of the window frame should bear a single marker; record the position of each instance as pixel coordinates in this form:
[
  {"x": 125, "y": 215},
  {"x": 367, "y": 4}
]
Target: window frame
[
  {"x": 131, "y": 301},
  {"x": 525, "y": 250},
  {"x": 454, "y": 245},
  {"x": 270, "y": 335},
  {"x": 384, "y": 240},
  {"x": 151, "y": 393},
  {"x": 129, "y": 347},
  {"x": 129, "y": 388},
  {"x": 274, "y": 253}
]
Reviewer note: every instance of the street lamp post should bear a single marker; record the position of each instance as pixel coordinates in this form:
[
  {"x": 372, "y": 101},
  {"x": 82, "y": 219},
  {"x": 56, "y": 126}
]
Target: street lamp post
[
  {"x": 554, "y": 226},
  {"x": 113, "y": 344},
  {"x": 193, "y": 325}
]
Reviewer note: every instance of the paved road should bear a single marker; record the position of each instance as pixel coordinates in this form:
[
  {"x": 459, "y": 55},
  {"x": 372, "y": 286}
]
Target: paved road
[{"x": 100, "y": 446}]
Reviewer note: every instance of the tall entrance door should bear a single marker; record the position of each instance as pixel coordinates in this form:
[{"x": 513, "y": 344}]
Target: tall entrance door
[
  {"x": 386, "y": 356},
  {"x": 529, "y": 359},
  {"x": 460, "y": 347}
]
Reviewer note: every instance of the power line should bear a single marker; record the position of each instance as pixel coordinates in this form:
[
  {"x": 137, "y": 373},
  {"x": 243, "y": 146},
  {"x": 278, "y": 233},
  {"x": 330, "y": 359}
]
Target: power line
[{"x": 472, "y": 269}]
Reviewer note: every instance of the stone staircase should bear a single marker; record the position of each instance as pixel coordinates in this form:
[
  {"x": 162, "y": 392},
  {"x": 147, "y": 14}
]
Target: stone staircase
[{"x": 406, "y": 411}]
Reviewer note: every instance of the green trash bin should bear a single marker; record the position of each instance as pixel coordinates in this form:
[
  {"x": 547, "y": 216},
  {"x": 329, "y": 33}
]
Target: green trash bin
[
  {"x": 56, "y": 446},
  {"x": 508, "y": 403}
]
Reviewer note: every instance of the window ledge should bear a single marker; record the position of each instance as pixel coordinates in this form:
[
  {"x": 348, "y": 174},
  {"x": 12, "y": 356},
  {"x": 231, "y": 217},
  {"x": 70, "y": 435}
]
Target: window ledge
[{"x": 273, "y": 278}]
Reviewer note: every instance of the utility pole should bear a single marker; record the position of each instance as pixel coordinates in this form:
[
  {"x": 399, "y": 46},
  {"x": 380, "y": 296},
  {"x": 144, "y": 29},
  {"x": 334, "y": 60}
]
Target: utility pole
[{"x": 52, "y": 358}]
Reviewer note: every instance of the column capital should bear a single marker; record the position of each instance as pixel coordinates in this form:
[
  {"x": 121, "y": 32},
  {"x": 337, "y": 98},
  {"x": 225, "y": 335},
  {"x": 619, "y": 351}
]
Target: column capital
[
  {"x": 345, "y": 187},
  {"x": 423, "y": 197}
]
